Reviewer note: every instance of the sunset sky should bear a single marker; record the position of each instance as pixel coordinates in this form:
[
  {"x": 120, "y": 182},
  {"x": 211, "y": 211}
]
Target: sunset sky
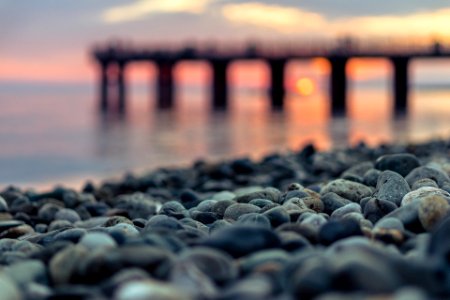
[{"x": 48, "y": 40}]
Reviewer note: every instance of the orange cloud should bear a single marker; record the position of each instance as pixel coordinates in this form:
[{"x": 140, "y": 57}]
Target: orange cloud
[
  {"x": 280, "y": 18},
  {"x": 417, "y": 24},
  {"x": 139, "y": 9}
]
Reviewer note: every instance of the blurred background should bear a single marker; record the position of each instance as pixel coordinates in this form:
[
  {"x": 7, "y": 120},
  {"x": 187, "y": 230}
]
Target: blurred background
[{"x": 52, "y": 132}]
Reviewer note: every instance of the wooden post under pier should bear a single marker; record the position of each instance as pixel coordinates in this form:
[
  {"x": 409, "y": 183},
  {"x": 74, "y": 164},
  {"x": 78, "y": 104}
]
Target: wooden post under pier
[
  {"x": 277, "y": 90},
  {"x": 338, "y": 84},
  {"x": 165, "y": 84},
  {"x": 400, "y": 83},
  {"x": 220, "y": 83}
]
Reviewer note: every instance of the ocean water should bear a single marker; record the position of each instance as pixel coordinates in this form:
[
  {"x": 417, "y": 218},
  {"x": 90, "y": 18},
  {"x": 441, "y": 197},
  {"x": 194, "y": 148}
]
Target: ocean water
[{"x": 53, "y": 134}]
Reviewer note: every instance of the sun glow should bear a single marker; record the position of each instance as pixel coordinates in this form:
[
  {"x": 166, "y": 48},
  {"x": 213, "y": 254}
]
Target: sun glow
[{"x": 305, "y": 86}]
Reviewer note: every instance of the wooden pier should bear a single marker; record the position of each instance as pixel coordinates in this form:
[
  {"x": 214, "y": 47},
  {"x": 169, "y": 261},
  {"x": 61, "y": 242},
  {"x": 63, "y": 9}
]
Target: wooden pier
[{"x": 113, "y": 59}]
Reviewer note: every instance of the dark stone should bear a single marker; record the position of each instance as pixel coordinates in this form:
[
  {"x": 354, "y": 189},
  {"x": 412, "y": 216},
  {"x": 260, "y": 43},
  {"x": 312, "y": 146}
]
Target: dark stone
[
  {"x": 356, "y": 172},
  {"x": 375, "y": 209},
  {"x": 261, "y": 202},
  {"x": 5, "y": 225},
  {"x": 291, "y": 241},
  {"x": 336, "y": 230},
  {"x": 402, "y": 163},
  {"x": 241, "y": 240},
  {"x": 273, "y": 260},
  {"x": 173, "y": 209},
  {"x": 391, "y": 187},
  {"x": 254, "y": 219},
  {"x": 221, "y": 206},
  {"x": 189, "y": 199},
  {"x": 370, "y": 178},
  {"x": 312, "y": 278},
  {"x": 409, "y": 216},
  {"x": 233, "y": 212},
  {"x": 217, "y": 265},
  {"x": 342, "y": 211},
  {"x": 271, "y": 194},
  {"x": 350, "y": 190},
  {"x": 243, "y": 166},
  {"x": 205, "y": 217},
  {"x": 48, "y": 211},
  {"x": 332, "y": 201},
  {"x": 277, "y": 216},
  {"x": 72, "y": 235},
  {"x": 427, "y": 172},
  {"x": 163, "y": 222},
  {"x": 99, "y": 265}
]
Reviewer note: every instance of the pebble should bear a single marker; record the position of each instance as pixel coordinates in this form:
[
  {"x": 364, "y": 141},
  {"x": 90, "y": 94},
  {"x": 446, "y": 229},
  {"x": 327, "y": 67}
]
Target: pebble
[
  {"x": 350, "y": 190},
  {"x": 370, "y": 178},
  {"x": 254, "y": 219},
  {"x": 149, "y": 289},
  {"x": 163, "y": 222},
  {"x": 426, "y": 172},
  {"x": 402, "y": 163},
  {"x": 217, "y": 265},
  {"x": 8, "y": 224},
  {"x": 67, "y": 215},
  {"x": 27, "y": 271},
  {"x": 375, "y": 209},
  {"x": 3, "y": 205},
  {"x": 10, "y": 291},
  {"x": 277, "y": 216},
  {"x": 64, "y": 264},
  {"x": 174, "y": 209},
  {"x": 241, "y": 240},
  {"x": 419, "y": 194},
  {"x": 332, "y": 201},
  {"x": 342, "y": 211},
  {"x": 233, "y": 212},
  {"x": 264, "y": 261},
  {"x": 335, "y": 230},
  {"x": 391, "y": 187},
  {"x": 271, "y": 194},
  {"x": 97, "y": 240},
  {"x": 433, "y": 209}
]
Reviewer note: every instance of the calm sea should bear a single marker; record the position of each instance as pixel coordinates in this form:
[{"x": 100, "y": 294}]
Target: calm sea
[{"x": 53, "y": 134}]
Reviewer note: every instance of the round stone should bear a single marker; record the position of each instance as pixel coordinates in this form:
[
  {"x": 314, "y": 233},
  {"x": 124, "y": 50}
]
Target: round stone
[
  {"x": 353, "y": 191},
  {"x": 241, "y": 240},
  {"x": 433, "y": 209},
  {"x": 426, "y": 172},
  {"x": 217, "y": 265},
  {"x": 332, "y": 201},
  {"x": 422, "y": 192},
  {"x": 277, "y": 216},
  {"x": 375, "y": 209},
  {"x": 68, "y": 215},
  {"x": 336, "y": 230},
  {"x": 342, "y": 211},
  {"x": 402, "y": 163},
  {"x": 150, "y": 289},
  {"x": 233, "y": 212},
  {"x": 3, "y": 205},
  {"x": 254, "y": 219},
  {"x": 392, "y": 187},
  {"x": 163, "y": 222},
  {"x": 174, "y": 209},
  {"x": 96, "y": 240}
]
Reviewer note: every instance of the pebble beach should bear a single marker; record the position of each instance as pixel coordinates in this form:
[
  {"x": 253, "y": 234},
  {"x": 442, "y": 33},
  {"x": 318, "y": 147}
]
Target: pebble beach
[{"x": 352, "y": 223}]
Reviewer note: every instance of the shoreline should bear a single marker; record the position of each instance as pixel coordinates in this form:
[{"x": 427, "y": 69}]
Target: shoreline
[{"x": 352, "y": 222}]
